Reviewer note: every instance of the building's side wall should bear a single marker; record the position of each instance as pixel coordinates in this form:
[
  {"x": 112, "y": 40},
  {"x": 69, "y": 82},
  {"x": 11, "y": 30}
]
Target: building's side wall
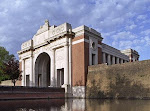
[
  {"x": 80, "y": 62},
  {"x": 86, "y": 50},
  {"x": 128, "y": 80},
  {"x": 78, "y": 69},
  {"x": 100, "y": 57},
  {"x": 86, "y": 59}
]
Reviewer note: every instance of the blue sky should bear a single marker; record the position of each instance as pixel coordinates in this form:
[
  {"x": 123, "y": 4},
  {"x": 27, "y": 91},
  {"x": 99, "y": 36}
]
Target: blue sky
[{"x": 122, "y": 23}]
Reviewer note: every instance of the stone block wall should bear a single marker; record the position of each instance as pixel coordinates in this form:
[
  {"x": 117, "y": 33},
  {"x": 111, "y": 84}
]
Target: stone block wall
[
  {"x": 128, "y": 80},
  {"x": 9, "y": 83}
]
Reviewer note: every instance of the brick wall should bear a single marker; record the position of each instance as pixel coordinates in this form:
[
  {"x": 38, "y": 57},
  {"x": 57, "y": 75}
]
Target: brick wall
[
  {"x": 78, "y": 64},
  {"x": 20, "y": 92},
  {"x": 128, "y": 80},
  {"x": 80, "y": 61}
]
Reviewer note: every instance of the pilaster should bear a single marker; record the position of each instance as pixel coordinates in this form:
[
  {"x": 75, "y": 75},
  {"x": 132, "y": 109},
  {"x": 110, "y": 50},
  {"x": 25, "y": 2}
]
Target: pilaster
[
  {"x": 52, "y": 66},
  {"x": 117, "y": 60},
  {"x": 31, "y": 69},
  {"x": 70, "y": 62},
  {"x": 104, "y": 57},
  {"x": 66, "y": 70},
  {"x": 121, "y": 61},
  {"x": 108, "y": 59},
  {"x": 113, "y": 60},
  {"x": 23, "y": 72}
]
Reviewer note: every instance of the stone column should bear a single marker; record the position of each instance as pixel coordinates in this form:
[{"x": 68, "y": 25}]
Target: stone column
[
  {"x": 70, "y": 62},
  {"x": 117, "y": 60},
  {"x": 31, "y": 71},
  {"x": 108, "y": 59},
  {"x": 113, "y": 60},
  {"x": 52, "y": 67},
  {"x": 23, "y": 72},
  {"x": 104, "y": 57},
  {"x": 66, "y": 67},
  {"x": 121, "y": 61}
]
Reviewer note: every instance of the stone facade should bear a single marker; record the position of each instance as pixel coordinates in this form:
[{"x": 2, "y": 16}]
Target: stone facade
[
  {"x": 132, "y": 54},
  {"x": 59, "y": 56}
]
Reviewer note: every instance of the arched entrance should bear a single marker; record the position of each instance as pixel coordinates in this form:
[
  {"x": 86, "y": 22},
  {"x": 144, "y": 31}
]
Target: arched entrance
[{"x": 42, "y": 70}]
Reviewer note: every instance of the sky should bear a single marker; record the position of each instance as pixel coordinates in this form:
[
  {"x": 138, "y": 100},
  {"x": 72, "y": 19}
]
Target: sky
[{"x": 122, "y": 23}]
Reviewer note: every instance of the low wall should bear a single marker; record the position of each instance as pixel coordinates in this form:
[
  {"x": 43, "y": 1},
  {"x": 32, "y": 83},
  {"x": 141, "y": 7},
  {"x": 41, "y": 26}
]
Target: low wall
[
  {"x": 7, "y": 92},
  {"x": 9, "y": 83},
  {"x": 128, "y": 80}
]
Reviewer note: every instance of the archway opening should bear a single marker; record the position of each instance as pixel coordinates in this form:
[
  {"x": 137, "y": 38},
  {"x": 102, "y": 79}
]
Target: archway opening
[{"x": 42, "y": 70}]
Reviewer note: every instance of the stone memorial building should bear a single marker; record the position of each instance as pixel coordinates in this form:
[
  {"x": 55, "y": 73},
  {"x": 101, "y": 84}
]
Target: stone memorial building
[{"x": 59, "y": 56}]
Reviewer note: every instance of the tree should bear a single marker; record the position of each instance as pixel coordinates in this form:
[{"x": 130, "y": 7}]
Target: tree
[
  {"x": 12, "y": 69},
  {"x": 4, "y": 58}
]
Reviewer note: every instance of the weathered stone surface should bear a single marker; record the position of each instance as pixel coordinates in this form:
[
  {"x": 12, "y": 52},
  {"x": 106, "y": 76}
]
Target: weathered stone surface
[
  {"x": 78, "y": 91},
  {"x": 128, "y": 80}
]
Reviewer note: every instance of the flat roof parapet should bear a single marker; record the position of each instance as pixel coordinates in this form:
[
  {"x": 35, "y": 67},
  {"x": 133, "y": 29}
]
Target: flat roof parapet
[
  {"x": 87, "y": 29},
  {"x": 113, "y": 51},
  {"x": 128, "y": 51},
  {"x": 27, "y": 44}
]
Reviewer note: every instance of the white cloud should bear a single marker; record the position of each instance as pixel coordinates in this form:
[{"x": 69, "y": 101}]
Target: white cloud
[
  {"x": 138, "y": 48},
  {"x": 3, "y": 13},
  {"x": 147, "y": 39},
  {"x": 141, "y": 27},
  {"x": 120, "y": 21},
  {"x": 130, "y": 27},
  {"x": 147, "y": 21},
  {"x": 4, "y": 39},
  {"x": 146, "y": 32},
  {"x": 108, "y": 34},
  {"x": 141, "y": 17},
  {"x": 125, "y": 44},
  {"x": 119, "y": 7},
  {"x": 115, "y": 44},
  {"x": 124, "y": 35}
]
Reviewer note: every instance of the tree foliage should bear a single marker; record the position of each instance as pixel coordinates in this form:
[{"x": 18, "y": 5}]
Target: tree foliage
[
  {"x": 9, "y": 66},
  {"x": 12, "y": 69},
  {"x": 4, "y": 58},
  {"x": 4, "y": 55}
]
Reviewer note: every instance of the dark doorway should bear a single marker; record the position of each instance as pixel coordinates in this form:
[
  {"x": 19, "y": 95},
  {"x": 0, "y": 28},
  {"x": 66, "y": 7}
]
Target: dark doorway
[
  {"x": 93, "y": 59},
  {"x": 42, "y": 70},
  {"x": 27, "y": 80},
  {"x": 60, "y": 77}
]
